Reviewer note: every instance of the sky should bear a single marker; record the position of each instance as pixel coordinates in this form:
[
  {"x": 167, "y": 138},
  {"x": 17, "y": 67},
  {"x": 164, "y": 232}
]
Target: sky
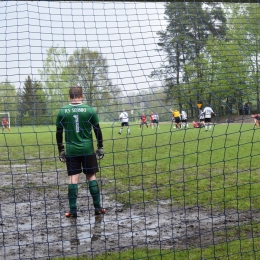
[{"x": 125, "y": 33}]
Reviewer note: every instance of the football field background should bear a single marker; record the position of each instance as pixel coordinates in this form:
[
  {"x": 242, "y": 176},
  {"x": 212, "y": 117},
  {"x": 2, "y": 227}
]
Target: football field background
[{"x": 169, "y": 193}]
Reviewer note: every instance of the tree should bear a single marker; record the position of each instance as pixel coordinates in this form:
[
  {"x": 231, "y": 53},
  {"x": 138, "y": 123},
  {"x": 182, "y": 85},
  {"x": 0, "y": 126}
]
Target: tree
[
  {"x": 55, "y": 78},
  {"x": 33, "y": 103},
  {"x": 183, "y": 41},
  {"x": 227, "y": 72},
  {"x": 53, "y": 72},
  {"x": 245, "y": 19},
  {"x": 89, "y": 69},
  {"x": 84, "y": 67}
]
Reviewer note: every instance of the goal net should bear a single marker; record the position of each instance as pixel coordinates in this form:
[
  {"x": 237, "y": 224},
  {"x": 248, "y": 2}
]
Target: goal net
[{"x": 180, "y": 174}]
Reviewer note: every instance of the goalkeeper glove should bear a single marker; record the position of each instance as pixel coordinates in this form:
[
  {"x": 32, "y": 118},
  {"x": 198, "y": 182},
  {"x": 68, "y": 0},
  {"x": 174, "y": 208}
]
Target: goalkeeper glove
[
  {"x": 100, "y": 153},
  {"x": 62, "y": 154}
]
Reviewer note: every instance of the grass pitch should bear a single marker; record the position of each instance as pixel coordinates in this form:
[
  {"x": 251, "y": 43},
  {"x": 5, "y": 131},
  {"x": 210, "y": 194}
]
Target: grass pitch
[{"x": 217, "y": 168}]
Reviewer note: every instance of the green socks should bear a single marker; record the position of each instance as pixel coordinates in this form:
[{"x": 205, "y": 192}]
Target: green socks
[
  {"x": 73, "y": 192},
  {"x": 72, "y": 195},
  {"x": 94, "y": 191}
]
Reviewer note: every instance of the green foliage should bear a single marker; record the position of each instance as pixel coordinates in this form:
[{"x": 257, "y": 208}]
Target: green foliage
[
  {"x": 8, "y": 99},
  {"x": 212, "y": 56},
  {"x": 84, "y": 67},
  {"x": 226, "y": 76},
  {"x": 33, "y": 103},
  {"x": 90, "y": 70},
  {"x": 55, "y": 78},
  {"x": 245, "y": 32},
  {"x": 184, "y": 42}
]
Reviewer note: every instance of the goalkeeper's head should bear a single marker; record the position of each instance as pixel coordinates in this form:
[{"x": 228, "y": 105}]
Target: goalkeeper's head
[{"x": 76, "y": 92}]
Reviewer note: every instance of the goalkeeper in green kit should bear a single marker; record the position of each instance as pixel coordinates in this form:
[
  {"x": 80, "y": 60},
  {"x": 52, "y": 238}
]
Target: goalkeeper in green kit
[{"x": 76, "y": 120}]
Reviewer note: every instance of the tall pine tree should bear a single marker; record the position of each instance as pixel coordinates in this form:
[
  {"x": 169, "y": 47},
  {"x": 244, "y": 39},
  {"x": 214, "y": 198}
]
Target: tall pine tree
[
  {"x": 183, "y": 40},
  {"x": 33, "y": 105}
]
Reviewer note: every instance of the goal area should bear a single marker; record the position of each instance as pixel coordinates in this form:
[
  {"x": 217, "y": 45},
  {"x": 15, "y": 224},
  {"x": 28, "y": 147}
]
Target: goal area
[{"x": 175, "y": 88}]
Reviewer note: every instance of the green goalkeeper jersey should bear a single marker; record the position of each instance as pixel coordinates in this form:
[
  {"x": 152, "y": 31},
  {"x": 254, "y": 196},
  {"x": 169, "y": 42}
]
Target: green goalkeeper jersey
[{"x": 77, "y": 121}]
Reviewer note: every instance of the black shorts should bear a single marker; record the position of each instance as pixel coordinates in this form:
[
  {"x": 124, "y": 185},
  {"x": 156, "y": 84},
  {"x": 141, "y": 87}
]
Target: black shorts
[
  {"x": 184, "y": 120},
  {"x": 86, "y": 163},
  {"x": 207, "y": 120},
  {"x": 124, "y": 124},
  {"x": 177, "y": 120}
]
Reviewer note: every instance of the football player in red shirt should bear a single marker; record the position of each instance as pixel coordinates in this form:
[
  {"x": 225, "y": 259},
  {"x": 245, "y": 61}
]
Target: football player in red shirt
[
  {"x": 5, "y": 124},
  {"x": 143, "y": 121}
]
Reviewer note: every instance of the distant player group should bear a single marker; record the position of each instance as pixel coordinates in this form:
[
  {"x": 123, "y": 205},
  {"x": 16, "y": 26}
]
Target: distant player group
[
  {"x": 205, "y": 116},
  {"x": 124, "y": 119},
  {"x": 154, "y": 119},
  {"x": 181, "y": 119}
]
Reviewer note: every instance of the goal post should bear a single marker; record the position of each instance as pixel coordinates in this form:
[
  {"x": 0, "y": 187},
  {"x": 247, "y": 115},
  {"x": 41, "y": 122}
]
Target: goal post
[{"x": 7, "y": 116}]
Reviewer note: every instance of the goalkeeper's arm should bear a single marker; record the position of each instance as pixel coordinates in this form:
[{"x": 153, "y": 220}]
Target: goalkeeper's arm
[
  {"x": 59, "y": 136},
  {"x": 61, "y": 148},
  {"x": 98, "y": 134},
  {"x": 99, "y": 137}
]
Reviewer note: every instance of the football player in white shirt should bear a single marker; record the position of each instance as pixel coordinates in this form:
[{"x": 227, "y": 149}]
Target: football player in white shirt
[
  {"x": 123, "y": 117},
  {"x": 184, "y": 117},
  {"x": 156, "y": 119},
  {"x": 208, "y": 111},
  {"x": 202, "y": 118}
]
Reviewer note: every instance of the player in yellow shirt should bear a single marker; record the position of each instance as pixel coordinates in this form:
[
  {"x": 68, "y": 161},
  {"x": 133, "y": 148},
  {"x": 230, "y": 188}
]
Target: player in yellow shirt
[{"x": 176, "y": 116}]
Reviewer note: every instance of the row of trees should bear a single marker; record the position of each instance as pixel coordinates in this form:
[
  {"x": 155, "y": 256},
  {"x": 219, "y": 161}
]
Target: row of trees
[
  {"x": 27, "y": 105},
  {"x": 84, "y": 67},
  {"x": 212, "y": 56},
  {"x": 33, "y": 104},
  {"x": 38, "y": 101}
]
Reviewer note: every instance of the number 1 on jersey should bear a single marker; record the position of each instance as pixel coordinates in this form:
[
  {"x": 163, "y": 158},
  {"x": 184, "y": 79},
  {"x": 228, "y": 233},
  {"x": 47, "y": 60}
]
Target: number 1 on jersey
[{"x": 76, "y": 122}]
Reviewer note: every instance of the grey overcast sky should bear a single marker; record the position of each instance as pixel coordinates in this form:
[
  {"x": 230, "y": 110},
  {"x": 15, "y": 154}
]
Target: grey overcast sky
[{"x": 124, "y": 33}]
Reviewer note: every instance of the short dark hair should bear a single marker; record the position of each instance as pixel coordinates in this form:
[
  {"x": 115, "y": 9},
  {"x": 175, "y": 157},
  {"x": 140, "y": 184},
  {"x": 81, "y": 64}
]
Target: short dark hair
[{"x": 76, "y": 92}]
